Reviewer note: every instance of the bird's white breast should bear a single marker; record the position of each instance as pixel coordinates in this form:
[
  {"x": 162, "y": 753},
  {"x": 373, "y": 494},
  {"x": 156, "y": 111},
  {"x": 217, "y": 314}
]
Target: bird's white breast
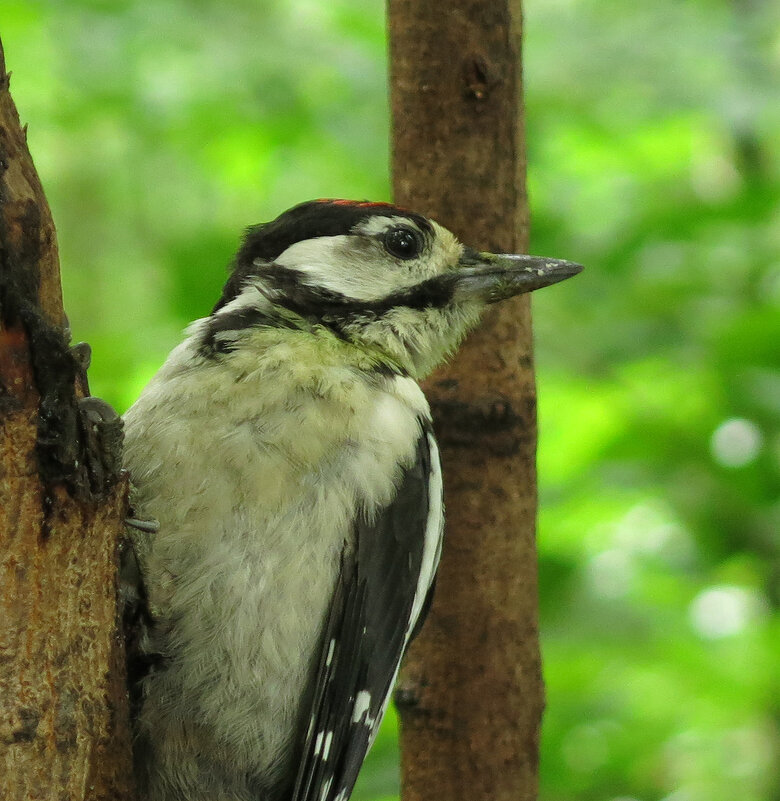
[{"x": 255, "y": 472}]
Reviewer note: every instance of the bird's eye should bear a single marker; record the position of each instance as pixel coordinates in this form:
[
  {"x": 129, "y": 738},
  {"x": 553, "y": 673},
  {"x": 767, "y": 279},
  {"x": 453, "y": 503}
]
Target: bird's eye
[{"x": 403, "y": 243}]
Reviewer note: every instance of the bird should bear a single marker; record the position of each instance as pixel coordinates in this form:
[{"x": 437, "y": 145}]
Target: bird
[{"x": 287, "y": 513}]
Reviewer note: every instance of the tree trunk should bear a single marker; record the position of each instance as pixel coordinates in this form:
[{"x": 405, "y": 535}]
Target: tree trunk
[
  {"x": 63, "y": 712},
  {"x": 471, "y": 694}
]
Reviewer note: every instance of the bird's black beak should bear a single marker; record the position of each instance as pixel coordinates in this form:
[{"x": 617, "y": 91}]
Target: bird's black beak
[{"x": 491, "y": 277}]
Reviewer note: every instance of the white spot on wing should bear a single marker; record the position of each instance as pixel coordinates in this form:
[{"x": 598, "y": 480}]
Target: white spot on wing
[
  {"x": 329, "y": 657},
  {"x": 328, "y": 741},
  {"x": 318, "y": 744},
  {"x": 362, "y": 705}
]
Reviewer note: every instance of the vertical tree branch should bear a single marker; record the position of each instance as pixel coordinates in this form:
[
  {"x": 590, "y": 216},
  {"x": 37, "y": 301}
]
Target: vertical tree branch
[
  {"x": 471, "y": 694},
  {"x": 63, "y": 717}
]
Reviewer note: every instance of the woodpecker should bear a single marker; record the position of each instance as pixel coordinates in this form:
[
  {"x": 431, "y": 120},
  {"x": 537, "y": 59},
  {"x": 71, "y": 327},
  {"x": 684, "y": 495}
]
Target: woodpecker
[{"x": 285, "y": 450}]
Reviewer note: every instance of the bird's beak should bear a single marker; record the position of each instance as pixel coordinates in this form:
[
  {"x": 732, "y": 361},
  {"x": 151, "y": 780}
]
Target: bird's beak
[{"x": 491, "y": 277}]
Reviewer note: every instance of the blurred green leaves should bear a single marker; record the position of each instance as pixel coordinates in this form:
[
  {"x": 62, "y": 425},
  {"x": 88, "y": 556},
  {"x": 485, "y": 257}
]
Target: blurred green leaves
[{"x": 162, "y": 129}]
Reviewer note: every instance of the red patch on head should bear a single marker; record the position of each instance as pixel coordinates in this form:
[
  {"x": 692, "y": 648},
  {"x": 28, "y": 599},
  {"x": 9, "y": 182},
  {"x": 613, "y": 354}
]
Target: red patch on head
[{"x": 360, "y": 204}]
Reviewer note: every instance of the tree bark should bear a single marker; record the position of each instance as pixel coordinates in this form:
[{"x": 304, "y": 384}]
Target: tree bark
[
  {"x": 471, "y": 695},
  {"x": 63, "y": 712}
]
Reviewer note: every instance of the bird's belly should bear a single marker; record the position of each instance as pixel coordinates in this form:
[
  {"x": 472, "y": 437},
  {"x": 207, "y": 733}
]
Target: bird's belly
[
  {"x": 241, "y": 575},
  {"x": 242, "y": 638}
]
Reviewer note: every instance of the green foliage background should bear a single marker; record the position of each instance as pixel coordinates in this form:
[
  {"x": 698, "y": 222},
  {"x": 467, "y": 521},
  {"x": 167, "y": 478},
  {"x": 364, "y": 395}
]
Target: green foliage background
[{"x": 162, "y": 128}]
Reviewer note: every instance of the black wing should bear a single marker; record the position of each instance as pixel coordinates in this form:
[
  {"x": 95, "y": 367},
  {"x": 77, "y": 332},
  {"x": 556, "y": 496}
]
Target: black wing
[{"x": 380, "y": 595}]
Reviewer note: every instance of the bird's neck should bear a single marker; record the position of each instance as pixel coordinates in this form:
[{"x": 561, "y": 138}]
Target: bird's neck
[{"x": 417, "y": 340}]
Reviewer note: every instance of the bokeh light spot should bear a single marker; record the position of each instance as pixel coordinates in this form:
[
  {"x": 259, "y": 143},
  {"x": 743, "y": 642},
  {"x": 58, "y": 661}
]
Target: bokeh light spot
[
  {"x": 723, "y": 611},
  {"x": 736, "y": 442}
]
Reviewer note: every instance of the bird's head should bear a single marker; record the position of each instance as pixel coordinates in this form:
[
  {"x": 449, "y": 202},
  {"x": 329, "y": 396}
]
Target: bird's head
[{"x": 387, "y": 281}]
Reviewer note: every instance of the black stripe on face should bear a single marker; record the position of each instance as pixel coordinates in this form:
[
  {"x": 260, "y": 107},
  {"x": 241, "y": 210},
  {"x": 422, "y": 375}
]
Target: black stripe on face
[
  {"x": 320, "y": 305},
  {"x": 309, "y": 220},
  {"x": 234, "y": 321},
  {"x": 286, "y": 289}
]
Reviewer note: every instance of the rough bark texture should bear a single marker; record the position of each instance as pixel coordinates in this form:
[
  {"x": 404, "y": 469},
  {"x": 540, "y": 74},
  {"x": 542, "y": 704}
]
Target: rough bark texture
[
  {"x": 63, "y": 710},
  {"x": 471, "y": 693}
]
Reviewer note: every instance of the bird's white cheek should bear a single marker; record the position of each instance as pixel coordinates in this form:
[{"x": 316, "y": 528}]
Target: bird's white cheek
[{"x": 334, "y": 263}]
